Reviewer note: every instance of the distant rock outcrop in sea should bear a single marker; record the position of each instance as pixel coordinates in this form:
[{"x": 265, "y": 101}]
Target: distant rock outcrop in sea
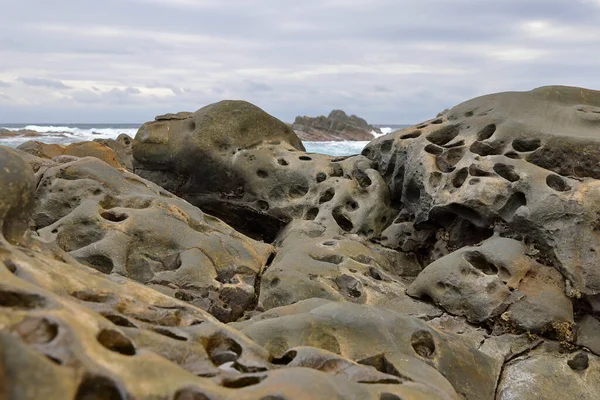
[{"x": 336, "y": 126}]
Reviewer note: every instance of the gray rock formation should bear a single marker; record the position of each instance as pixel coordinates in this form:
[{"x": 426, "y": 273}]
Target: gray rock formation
[
  {"x": 456, "y": 259},
  {"x": 336, "y": 126}
]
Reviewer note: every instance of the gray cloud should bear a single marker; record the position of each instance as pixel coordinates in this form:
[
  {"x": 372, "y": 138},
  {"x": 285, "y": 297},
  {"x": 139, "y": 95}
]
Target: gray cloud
[
  {"x": 390, "y": 61},
  {"x": 4, "y": 84},
  {"x": 43, "y": 82}
]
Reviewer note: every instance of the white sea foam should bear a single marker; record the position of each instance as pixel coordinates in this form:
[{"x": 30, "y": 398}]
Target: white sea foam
[{"x": 70, "y": 134}]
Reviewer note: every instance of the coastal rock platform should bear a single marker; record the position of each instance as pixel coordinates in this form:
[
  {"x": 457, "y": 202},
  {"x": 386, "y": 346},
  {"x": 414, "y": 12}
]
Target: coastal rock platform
[{"x": 211, "y": 257}]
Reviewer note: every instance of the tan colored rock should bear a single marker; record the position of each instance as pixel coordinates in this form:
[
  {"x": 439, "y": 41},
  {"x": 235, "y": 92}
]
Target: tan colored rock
[
  {"x": 42, "y": 150},
  {"x": 93, "y": 149}
]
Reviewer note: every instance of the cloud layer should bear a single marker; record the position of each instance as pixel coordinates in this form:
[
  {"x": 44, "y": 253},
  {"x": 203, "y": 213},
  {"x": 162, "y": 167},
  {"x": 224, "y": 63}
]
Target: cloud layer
[{"x": 390, "y": 61}]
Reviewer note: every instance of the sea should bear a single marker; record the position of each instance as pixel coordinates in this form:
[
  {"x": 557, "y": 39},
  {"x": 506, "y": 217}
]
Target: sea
[{"x": 70, "y": 133}]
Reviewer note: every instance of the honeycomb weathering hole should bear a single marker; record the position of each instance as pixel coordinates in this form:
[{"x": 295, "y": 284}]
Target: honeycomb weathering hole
[
  {"x": 411, "y": 135},
  {"x": 486, "y": 132},
  {"x": 327, "y": 196},
  {"x": 479, "y": 261},
  {"x": 526, "y": 145},
  {"x": 507, "y": 172},
  {"x": 98, "y": 387},
  {"x": 423, "y": 344},
  {"x": 222, "y": 349},
  {"x": 433, "y": 149},
  {"x": 557, "y": 183},
  {"x": 36, "y": 330},
  {"x": 444, "y": 135},
  {"x": 243, "y": 381},
  {"x": 20, "y": 300},
  {"x": 460, "y": 177},
  {"x": 113, "y": 216},
  {"x": 342, "y": 221},
  {"x": 116, "y": 341}
]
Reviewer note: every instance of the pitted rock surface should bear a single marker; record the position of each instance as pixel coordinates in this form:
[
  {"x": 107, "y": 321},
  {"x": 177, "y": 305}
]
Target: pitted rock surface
[
  {"x": 524, "y": 162},
  {"x": 453, "y": 260},
  {"x": 122, "y": 224},
  {"x": 239, "y": 164},
  {"x": 497, "y": 279},
  {"x": 84, "y": 334}
]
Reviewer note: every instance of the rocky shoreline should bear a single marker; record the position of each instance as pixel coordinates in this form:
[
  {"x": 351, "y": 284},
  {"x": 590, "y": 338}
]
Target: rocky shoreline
[{"x": 211, "y": 257}]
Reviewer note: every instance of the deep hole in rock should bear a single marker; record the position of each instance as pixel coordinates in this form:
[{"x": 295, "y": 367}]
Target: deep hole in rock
[
  {"x": 486, "y": 149},
  {"x": 98, "y": 261},
  {"x": 444, "y": 135},
  {"x": 336, "y": 170},
  {"x": 512, "y": 155},
  {"x": 433, "y": 149},
  {"x": 10, "y": 264},
  {"x": 445, "y": 215},
  {"x": 222, "y": 349},
  {"x": 170, "y": 333},
  {"x": 507, "y": 172},
  {"x": 329, "y": 258},
  {"x": 437, "y": 121},
  {"x": 557, "y": 183},
  {"x": 423, "y": 344},
  {"x": 37, "y": 330},
  {"x": 243, "y": 381},
  {"x": 352, "y": 205},
  {"x": 342, "y": 221},
  {"x": 114, "y": 216},
  {"x": 20, "y": 300},
  {"x": 98, "y": 388},
  {"x": 298, "y": 190},
  {"x": 479, "y": 261},
  {"x": 321, "y": 176},
  {"x": 413, "y": 192},
  {"x": 91, "y": 296},
  {"x": 374, "y": 273},
  {"x": 116, "y": 341},
  {"x": 386, "y": 146},
  {"x": 190, "y": 394},
  {"x": 389, "y": 396},
  {"x": 411, "y": 135},
  {"x": 262, "y": 173},
  {"x": 327, "y": 196},
  {"x": 311, "y": 214},
  {"x": 526, "y": 145},
  {"x": 460, "y": 177},
  {"x": 469, "y": 114},
  {"x": 287, "y": 358},
  {"x": 362, "y": 178},
  {"x": 580, "y": 362},
  {"x": 119, "y": 320},
  {"x": 305, "y": 158},
  {"x": 381, "y": 364},
  {"x": 262, "y": 205},
  {"x": 455, "y": 144},
  {"x": 474, "y": 170},
  {"x": 486, "y": 132},
  {"x": 422, "y": 126},
  {"x": 281, "y": 161},
  {"x": 329, "y": 243},
  {"x": 514, "y": 202}
]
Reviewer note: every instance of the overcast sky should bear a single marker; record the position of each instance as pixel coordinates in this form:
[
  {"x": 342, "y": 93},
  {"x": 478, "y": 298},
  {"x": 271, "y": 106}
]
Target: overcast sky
[{"x": 390, "y": 61}]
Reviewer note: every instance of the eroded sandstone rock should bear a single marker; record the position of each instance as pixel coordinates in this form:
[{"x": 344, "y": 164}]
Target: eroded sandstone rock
[
  {"x": 121, "y": 224},
  {"x": 524, "y": 163},
  {"x": 85, "y": 334}
]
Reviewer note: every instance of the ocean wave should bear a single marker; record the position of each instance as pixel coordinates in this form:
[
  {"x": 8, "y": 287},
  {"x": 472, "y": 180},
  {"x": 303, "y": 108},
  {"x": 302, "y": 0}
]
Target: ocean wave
[
  {"x": 69, "y": 134},
  {"x": 82, "y": 133}
]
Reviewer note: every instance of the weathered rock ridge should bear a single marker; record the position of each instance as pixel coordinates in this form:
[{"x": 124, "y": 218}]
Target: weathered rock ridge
[
  {"x": 336, "y": 126},
  {"x": 456, "y": 259}
]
